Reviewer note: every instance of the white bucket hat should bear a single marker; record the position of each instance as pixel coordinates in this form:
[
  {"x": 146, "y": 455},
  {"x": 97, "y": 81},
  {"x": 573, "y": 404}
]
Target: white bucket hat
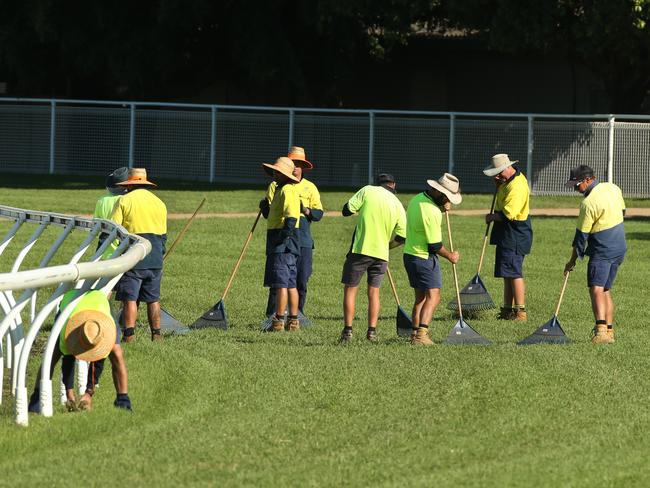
[
  {"x": 449, "y": 185},
  {"x": 499, "y": 163}
]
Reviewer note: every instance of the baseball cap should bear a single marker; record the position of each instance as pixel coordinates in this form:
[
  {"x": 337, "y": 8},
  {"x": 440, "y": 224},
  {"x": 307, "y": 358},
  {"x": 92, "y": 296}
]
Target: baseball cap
[
  {"x": 578, "y": 174},
  {"x": 385, "y": 178}
]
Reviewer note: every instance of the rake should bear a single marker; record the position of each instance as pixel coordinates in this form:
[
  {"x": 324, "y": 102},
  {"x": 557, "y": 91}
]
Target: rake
[
  {"x": 551, "y": 332},
  {"x": 461, "y": 333},
  {"x": 217, "y": 315},
  {"x": 402, "y": 320},
  {"x": 475, "y": 297}
]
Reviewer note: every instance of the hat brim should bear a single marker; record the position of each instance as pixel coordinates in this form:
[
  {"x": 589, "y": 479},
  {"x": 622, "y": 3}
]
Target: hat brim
[
  {"x": 301, "y": 163},
  {"x": 136, "y": 182},
  {"x": 571, "y": 183},
  {"x": 76, "y": 345},
  {"x": 492, "y": 171},
  {"x": 454, "y": 198},
  {"x": 273, "y": 167}
]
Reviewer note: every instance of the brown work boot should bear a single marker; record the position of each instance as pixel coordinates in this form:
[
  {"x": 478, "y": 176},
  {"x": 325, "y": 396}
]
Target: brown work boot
[
  {"x": 128, "y": 335},
  {"x": 371, "y": 334},
  {"x": 346, "y": 337},
  {"x": 277, "y": 325},
  {"x": 293, "y": 325},
  {"x": 519, "y": 314},
  {"x": 421, "y": 336},
  {"x": 601, "y": 336},
  {"x": 507, "y": 313},
  {"x": 610, "y": 333}
]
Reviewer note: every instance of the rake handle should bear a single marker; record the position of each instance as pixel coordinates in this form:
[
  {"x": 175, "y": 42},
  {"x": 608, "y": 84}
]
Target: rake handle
[
  {"x": 453, "y": 266},
  {"x": 241, "y": 256},
  {"x": 487, "y": 232},
  {"x": 392, "y": 285},
  {"x": 559, "y": 302},
  {"x": 184, "y": 230}
]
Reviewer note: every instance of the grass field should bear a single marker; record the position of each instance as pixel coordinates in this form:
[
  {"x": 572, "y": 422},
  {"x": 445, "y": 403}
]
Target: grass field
[{"x": 243, "y": 408}]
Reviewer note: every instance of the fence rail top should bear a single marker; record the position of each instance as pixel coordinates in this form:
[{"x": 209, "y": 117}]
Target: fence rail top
[{"x": 314, "y": 110}]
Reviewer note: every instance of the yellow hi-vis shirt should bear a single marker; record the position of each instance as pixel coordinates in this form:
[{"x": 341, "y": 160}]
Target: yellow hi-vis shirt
[
  {"x": 104, "y": 210},
  {"x": 380, "y": 215},
  {"x": 513, "y": 198},
  {"x": 143, "y": 213},
  {"x": 285, "y": 205}
]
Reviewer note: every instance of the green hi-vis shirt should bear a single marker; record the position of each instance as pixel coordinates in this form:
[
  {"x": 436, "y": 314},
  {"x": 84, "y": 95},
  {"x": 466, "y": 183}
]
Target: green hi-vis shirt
[
  {"x": 285, "y": 205},
  {"x": 310, "y": 198},
  {"x": 104, "y": 210},
  {"x": 91, "y": 300},
  {"x": 380, "y": 215},
  {"x": 143, "y": 213},
  {"x": 423, "y": 226}
]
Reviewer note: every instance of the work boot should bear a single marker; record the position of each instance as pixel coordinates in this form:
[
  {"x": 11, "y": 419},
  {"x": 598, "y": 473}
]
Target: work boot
[
  {"x": 293, "y": 325},
  {"x": 371, "y": 334},
  {"x": 346, "y": 337},
  {"x": 601, "y": 336},
  {"x": 277, "y": 325},
  {"x": 421, "y": 336},
  {"x": 519, "y": 314},
  {"x": 128, "y": 335},
  {"x": 610, "y": 333},
  {"x": 507, "y": 313}
]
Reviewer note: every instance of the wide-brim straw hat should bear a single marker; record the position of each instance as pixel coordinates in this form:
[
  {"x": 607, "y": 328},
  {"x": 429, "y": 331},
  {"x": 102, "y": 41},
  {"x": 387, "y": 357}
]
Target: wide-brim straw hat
[
  {"x": 90, "y": 335},
  {"x": 298, "y": 156},
  {"x": 137, "y": 176},
  {"x": 449, "y": 185},
  {"x": 499, "y": 163},
  {"x": 283, "y": 165}
]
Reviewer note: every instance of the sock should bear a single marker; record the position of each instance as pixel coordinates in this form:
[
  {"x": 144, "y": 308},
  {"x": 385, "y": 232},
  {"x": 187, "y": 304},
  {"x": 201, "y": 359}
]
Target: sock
[
  {"x": 601, "y": 322},
  {"x": 122, "y": 396},
  {"x": 278, "y": 317},
  {"x": 347, "y": 328},
  {"x": 519, "y": 307},
  {"x": 293, "y": 317},
  {"x": 423, "y": 326},
  {"x": 610, "y": 326}
]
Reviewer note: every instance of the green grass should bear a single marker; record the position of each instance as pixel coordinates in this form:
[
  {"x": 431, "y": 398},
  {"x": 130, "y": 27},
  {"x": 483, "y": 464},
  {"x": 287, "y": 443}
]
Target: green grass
[{"x": 243, "y": 408}]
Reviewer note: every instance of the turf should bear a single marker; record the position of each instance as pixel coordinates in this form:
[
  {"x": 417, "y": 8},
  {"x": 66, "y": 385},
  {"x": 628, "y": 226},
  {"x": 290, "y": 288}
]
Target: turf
[{"x": 243, "y": 408}]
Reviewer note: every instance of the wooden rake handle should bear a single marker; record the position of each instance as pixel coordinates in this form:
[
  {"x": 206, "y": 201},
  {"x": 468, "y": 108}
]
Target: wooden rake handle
[
  {"x": 392, "y": 285},
  {"x": 453, "y": 266},
  {"x": 241, "y": 256},
  {"x": 485, "y": 237},
  {"x": 184, "y": 230},
  {"x": 559, "y": 302}
]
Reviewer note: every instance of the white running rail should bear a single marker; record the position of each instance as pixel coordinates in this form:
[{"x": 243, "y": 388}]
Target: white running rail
[{"x": 92, "y": 273}]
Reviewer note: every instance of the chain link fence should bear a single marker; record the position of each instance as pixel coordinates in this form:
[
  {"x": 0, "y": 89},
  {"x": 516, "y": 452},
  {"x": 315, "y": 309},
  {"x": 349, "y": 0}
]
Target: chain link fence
[{"x": 226, "y": 144}]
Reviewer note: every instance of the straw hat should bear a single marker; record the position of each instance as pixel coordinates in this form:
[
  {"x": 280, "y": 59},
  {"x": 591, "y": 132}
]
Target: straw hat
[
  {"x": 449, "y": 185},
  {"x": 137, "y": 176},
  {"x": 90, "y": 335},
  {"x": 499, "y": 163},
  {"x": 298, "y": 156},
  {"x": 282, "y": 165}
]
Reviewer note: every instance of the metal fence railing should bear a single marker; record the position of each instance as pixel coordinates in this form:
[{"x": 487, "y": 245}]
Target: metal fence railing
[{"x": 225, "y": 144}]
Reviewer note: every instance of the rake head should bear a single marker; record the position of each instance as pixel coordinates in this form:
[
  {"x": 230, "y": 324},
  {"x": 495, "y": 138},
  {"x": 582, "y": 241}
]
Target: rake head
[
  {"x": 474, "y": 297},
  {"x": 169, "y": 323},
  {"x": 463, "y": 334},
  {"x": 403, "y": 323},
  {"x": 215, "y": 317},
  {"x": 549, "y": 333}
]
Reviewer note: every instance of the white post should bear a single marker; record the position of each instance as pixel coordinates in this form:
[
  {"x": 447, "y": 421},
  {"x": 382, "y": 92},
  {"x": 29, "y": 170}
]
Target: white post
[
  {"x": 52, "y": 135},
  {"x": 132, "y": 136},
  {"x": 213, "y": 144},
  {"x": 529, "y": 153},
  {"x": 371, "y": 148},
  {"x": 292, "y": 117},
  {"x": 452, "y": 142},
  {"x": 610, "y": 151}
]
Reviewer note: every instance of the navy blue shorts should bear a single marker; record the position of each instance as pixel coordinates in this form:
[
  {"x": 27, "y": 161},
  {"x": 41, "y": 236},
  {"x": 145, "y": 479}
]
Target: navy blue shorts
[
  {"x": 602, "y": 272},
  {"x": 423, "y": 274},
  {"x": 139, "y": 285},
  {"x": 357, "y": 264},
  {"x": 508, "y": 264},
  {"x": 281, "y": 270}
]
